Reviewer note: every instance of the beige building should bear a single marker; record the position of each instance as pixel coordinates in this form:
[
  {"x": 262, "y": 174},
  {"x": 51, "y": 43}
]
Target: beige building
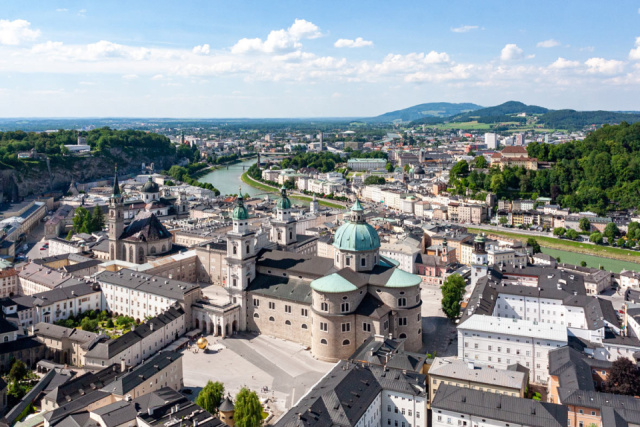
[
  {"x": 8, "y": 283},
  {"x": 456, "y": 372},
  {"x": 64, "y": 345}
]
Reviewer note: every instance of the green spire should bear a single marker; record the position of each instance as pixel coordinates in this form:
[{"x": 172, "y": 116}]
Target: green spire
[
  {"x": 357, "y": 206},
  {"x": 116, "y": 185}
]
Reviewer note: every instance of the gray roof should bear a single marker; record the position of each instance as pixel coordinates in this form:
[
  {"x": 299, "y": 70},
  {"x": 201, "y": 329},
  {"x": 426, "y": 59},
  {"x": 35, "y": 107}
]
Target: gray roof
[
  {"x": 83, "y": 385},
  {"x": 452, "y": 367},
  {"x": 56, "y": 295},
  {"x": 142, "y": 373},
  {"x": 188, "y": 413},
  {"x": 295, "y": 264},
  {"x": 571, "y": 369},
  {"x": 155, "y": 285},
  {"x": 499, "y": 407},
  {"x": 342, "y": 396},
  {"x": 50, "y": 330},
  {"x": 117, "y": 413},
  {"x": 284, "y": 288}
]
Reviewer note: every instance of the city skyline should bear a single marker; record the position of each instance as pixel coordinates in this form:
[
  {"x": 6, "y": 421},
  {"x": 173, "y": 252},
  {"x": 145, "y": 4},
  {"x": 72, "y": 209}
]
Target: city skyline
[{"x": 288, "y": 59}]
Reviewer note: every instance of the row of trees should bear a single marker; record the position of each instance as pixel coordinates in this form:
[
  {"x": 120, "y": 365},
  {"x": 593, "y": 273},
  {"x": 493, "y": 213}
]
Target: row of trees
[
  {"x": 85, "y": 221},
  {"x": 247, "y": 407}
]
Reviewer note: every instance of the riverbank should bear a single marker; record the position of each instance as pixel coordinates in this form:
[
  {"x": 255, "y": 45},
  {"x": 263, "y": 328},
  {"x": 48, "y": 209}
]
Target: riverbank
[
  {"x": 261, "y": 186},
  {"x": 570, "y": 246}
]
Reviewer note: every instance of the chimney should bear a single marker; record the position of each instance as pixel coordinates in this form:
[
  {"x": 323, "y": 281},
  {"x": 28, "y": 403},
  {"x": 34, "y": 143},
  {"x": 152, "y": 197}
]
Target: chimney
[
  {"x": 151, "y": 325},
  {"x": 123, "y": 366}
]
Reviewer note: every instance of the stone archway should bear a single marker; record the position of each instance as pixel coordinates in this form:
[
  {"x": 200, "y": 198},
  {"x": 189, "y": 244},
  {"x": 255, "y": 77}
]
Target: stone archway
[
  {"x": 211, "y": 328},
  {"x": 219, "y": 331},
  {"x": 197, "y": 323},
  {"x": 234, "y": 326}
]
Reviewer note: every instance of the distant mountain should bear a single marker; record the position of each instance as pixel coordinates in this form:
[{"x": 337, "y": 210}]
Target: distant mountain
[
  {"x": 510, "y": 107},
  {"x": 432, "y": 109},
  {"x": 571, "y": 119}
]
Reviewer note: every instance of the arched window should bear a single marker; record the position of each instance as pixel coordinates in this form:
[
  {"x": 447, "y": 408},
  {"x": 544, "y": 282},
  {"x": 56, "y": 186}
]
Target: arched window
[
  {"x": 131, "y": 259},
  {"x": 235, "y": 250},
  {"x": 402, "y": 302},
  {"x": 247, "y": 249},
  {"x": 152, "y": 250},
  {"x": 304, "y": 326},
  {"x": 403, "y": 335},
  {"x": 346, "y": 342},
  {"x": 290, "y": 235},
  {"x": 6, "y": 339},
  {"x": 271, "y": 319},
  {"x": 140, "y": 255},
  {"x": 164, "y": 248},
  {"x": 279, "y": 235},
  {"x": 287, "y": 322},
  {"x": 324, "y": 306},
  {"x": 256, "y": 315},
  {"x": 323, "y": 341}
]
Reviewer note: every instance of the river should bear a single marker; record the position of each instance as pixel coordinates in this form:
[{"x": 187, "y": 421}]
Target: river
[{"x": 227, "y": 181}]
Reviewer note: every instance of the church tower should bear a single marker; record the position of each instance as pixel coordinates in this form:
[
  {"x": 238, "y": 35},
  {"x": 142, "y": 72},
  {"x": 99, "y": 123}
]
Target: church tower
[
  {"x": 241, "y": 258},
  {"x": 116, "y": 220},
  {"x": 479, "y": 259},
  {"x": 283, "y": 227},
  {"x": 313, "y": 206}
]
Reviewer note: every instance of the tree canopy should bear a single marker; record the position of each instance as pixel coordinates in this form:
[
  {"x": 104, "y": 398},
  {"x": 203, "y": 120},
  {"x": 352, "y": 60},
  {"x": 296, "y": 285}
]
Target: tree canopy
[
  {"x": 374, "y": 179},
  {"x": 248, "y": 410},
  {"x": 624, "y": 378},
  {"x": 452, "y": 293},
  {"x": 210, "y": 396}
]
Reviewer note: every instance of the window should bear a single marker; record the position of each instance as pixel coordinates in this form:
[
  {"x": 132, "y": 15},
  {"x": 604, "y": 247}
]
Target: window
[
  {"x": 304, "y": 312},
  {"x": 402, "y": 321},
  {"x": 324, "y": 306},
  {"x": 386, "y": 325},
  {"x": 323, "y": 341},
  {"x": 256, "y": 302},
  {"x": 256, "y": 315},
  {"x": 402, "y": 302},
  {"x": 272, "y": 305},
  {"x": 344, "y": 307},
  {"x": 363, "y": 262},
  {"x": 324, "y": 326},
  {"x": 348, "y": 261},
  {"x": 346, "y": 327},
  {"x": 287, "y": 322},
  {"x": 304, "y": 326},
  {"x": 287, "y": 309},
  {"x": 271, "y": 319},
  {"x": 366, "y": 327},
  {"x": 346, "y": 342}
]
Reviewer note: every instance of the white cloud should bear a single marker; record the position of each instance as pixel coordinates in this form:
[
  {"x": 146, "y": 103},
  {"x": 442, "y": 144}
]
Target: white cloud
[
  {"x": 279, "y": 41},
  {"x": 533, "y": 55},
  {"x": 202, "y": 49},
  {"x": 510, "y": 52},
  {"x": 130, "y": 76},
  {"x": 157, "y": 77},
  {"x": 604, "y": 66},
  {"x": 634, "y": 54},
  {"x": 457, "y": 72},
  {"x": 548, "y": 43},
  {"x": 62, "y": 10},
  {"x": 464, "y": 28},
  {"x": 82, "y": 12},
  {"x": 16, "y": 32},
  {"x": 358, "y": 42},
  {"x": 562, "y": 63}
]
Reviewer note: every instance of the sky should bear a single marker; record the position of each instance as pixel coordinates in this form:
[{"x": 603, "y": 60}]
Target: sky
[{"x": 278, "y": 59}]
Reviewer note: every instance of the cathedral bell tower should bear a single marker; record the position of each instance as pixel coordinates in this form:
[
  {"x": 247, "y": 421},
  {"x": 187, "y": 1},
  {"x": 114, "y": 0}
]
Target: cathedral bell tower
[
  {"x": 116, "y": 220},
  {"x": 283, "y": 227},
  {"x": 241, "y": 258}
]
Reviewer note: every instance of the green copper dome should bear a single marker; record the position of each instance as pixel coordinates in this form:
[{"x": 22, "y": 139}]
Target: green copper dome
[
  {"x": 150, "y": 187},
  {"x": 283, "y": 202},
  {"x": 356, "y": 235},
  {"x": 240, "y": 211}
]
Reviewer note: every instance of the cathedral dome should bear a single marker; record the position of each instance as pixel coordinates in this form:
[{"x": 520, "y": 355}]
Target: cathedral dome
[
  {"x": 356, "y": 235},
  {"x": 240, "y": 211},
  {"x": 150, "y": 187},
  {"x": 283, "y": 202}
]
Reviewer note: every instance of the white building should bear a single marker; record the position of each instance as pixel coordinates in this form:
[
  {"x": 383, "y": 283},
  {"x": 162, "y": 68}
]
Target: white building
[
  {"x": 500, "y": 342},
  {"x": 491, "y": 141}
]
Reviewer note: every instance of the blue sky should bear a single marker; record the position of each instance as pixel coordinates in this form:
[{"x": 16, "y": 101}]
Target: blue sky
[{"x": 312, "y": 58}]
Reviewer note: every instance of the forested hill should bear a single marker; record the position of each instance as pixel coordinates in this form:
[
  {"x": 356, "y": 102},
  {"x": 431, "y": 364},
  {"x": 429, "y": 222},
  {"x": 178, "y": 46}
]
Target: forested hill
[
  {"x": 432, "y": 109},
  {"x": 126, "y": 148},
  {"x": 600, "y": 173}
]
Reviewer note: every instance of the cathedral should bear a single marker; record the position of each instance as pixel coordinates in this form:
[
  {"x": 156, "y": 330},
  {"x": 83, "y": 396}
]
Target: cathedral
[
  {"x": 329, "y": 305},
  {"x": 144, "y": 236}
]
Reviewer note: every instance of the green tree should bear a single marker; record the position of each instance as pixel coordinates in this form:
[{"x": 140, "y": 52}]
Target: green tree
[
  {"x": 97, "y": 220},
  {"x": 611, "y": 232},
  {"x": 559, "y": 231},
  {"x": 81, "y": 220},
  {"x": 481, "y": 162},
  {"x": 452, "y": 293},
  {"x": 583, "y": 263},
  {"x": 373, "y": 180},
  {"x": 290, "y": 184},
  {"x": 248, "y": 410},
  {"x": 389, "y": 167},
  {"x": 498, "y": 184},
  {"x": 460, "y": 169},
  {"x": 584, "y": 224},
  {"x": 572, "y": 234},
  {"x": 621, "y": 242},
  {"x": 534, "y": 244},
  {"x": 18, "y": 371},
  {"x": 596, "y": 238},
  {"x": 503, "y": 220},
  {"x": 210, "y": 396}
]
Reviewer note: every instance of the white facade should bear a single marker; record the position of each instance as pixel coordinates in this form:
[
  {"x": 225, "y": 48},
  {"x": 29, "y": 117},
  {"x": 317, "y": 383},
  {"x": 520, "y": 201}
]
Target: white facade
[
  {"x": 500, "y": 342},
  {"x": 491, "y": 140},
  {"x": 403, "y": 410}
]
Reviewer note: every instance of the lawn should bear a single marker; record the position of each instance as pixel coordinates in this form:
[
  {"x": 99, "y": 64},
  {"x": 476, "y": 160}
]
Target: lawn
[
  {"x": 465, "y": 125},
  {"x": 571, "y": 246},
  {"x": 260, "y": 186}
]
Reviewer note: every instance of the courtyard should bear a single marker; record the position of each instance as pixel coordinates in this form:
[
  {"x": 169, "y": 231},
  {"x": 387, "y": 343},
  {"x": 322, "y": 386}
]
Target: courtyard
[{"x": 281, "y": 372}]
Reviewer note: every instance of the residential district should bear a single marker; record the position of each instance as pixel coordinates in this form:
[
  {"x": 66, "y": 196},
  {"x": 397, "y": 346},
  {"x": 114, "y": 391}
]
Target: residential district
[{"x": 323, "y": 295}]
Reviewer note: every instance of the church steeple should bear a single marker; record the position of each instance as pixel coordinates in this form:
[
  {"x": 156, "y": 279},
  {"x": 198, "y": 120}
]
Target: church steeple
[
  {"x": 116, "y": 220},
  {"x": 116, "y": 184}
]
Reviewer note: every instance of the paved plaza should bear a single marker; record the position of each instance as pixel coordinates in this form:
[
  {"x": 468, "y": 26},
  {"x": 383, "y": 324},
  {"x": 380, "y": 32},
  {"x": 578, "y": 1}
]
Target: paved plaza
[
  {"x": 278, "y": 370},
  {"x": 438, "y": 333}
]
